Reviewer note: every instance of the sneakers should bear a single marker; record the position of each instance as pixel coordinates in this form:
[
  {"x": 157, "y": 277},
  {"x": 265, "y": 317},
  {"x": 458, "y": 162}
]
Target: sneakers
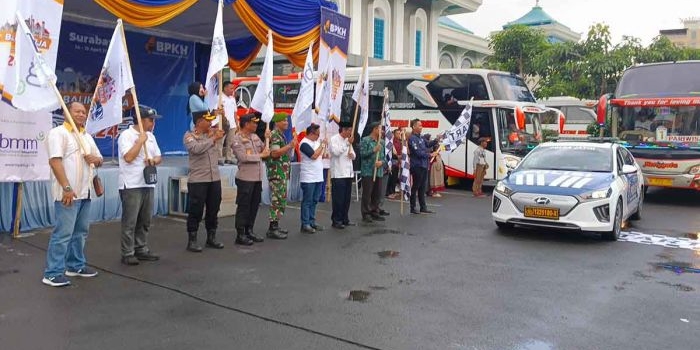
[
  {"x": 84, "y": 272},
  {"x": 56, "y": 281},
  {"x": 318, "y": 227},
  {"x": 308, "y": 229}
]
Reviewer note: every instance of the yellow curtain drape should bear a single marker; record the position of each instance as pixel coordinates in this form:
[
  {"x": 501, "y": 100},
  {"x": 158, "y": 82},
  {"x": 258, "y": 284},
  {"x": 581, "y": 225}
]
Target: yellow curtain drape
[
  {"x": 242, "y": 65},
  {"x": 293, "y": 47},
  {"x": 144, "y": 16}
]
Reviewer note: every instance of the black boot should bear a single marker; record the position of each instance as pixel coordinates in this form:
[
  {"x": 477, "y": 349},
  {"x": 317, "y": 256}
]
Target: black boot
[
  {"x": 241, "y": 238},
  {"x": 211, "y": 240},
  {"x": 192, "y": 242},
  {"x": 274, "y": 233},
  {"x": 281, "y": 230},
  {"x": 252, "y": 236}
]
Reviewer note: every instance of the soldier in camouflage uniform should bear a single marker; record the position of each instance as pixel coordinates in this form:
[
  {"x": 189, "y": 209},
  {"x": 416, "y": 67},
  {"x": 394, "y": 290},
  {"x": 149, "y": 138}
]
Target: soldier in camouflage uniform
[{"x": 278, "y": 166}]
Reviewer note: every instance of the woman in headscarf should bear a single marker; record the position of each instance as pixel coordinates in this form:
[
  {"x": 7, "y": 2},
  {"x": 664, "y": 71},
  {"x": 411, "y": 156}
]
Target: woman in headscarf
[{"x": 196, "y": 102}]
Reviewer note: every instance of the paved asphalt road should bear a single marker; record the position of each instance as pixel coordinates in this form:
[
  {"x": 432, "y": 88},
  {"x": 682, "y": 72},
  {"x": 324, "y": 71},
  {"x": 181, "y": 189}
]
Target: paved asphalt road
[{"x": 456, "y": 283}]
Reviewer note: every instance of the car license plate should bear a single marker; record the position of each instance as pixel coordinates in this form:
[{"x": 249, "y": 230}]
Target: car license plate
[
  {"x": 655, "y": 181},
  {"x": 542, "y": 213}
]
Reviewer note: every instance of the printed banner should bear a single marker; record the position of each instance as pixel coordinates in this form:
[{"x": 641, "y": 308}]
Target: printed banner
[
  {"x": 162, "y": 68},
  {"x": 23, "y": 155},
  {"x": 333, "y": 58}
]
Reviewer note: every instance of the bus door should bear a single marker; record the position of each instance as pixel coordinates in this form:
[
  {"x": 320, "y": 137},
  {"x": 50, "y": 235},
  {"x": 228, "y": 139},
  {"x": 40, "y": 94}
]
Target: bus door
[{"x": 481, "y": 126}]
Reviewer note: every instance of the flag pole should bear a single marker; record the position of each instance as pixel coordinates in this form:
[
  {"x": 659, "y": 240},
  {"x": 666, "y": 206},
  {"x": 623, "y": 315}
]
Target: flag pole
[
  {"x": 267, "y": 124},
  {"x": 376, "y": 158},
  {"x": 357, "y": 106},
  {"x": 133, "y": 89},
  {"x": 401, "y": 194}
]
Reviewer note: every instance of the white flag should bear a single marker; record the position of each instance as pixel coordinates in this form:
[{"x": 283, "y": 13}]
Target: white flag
[
  {"x": 361, "y": 96},
  {"x": 218, "y": 59},
  {"x": 263, "y": 98},
  {"x": 30, "y": 79},
  {"x": 116, "y": 78},
  {"x": 302, "y": 114}
]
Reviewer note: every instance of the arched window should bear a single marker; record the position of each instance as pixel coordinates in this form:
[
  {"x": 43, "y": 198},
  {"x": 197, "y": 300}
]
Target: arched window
[
  {"x": 466, "y": 63},
  {"x": 381, "y": 32},
  {"x": 446, "y": 61},
  {"x": 419, "y": 28}
]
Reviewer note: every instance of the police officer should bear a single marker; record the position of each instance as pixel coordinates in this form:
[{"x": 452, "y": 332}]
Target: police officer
[
  {"x": 278, "y": 165},
  {"x": 204, "y": 181},
  {"x": 250, "y": 152}
]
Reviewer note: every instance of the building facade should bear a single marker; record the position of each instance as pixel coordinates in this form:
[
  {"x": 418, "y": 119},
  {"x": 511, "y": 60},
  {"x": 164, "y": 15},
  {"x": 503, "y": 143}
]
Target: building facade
[
  {"x": 539, "y": 19},
  {"x": 688, "y": 36}
]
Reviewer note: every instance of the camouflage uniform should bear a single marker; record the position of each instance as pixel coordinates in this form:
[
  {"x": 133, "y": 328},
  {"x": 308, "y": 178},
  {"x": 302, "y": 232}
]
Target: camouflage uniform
[{"x": 277, "y": 174}]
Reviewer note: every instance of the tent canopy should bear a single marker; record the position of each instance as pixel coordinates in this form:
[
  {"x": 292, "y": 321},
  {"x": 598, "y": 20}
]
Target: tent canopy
[{"x": 294, "y": 23}]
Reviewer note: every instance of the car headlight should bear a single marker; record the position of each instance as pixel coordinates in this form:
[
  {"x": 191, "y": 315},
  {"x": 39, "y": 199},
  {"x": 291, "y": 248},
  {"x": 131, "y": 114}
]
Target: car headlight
[
  {"x": 511, "y": 162},
  {"x": 694, "y": 170},
  {"x": 597, "y": 194},
  {"x": 503, "y": 189}
]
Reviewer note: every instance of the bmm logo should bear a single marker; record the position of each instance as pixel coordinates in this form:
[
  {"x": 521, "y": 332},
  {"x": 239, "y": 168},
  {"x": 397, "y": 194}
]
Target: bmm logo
[{"x": 18, "y": 144}]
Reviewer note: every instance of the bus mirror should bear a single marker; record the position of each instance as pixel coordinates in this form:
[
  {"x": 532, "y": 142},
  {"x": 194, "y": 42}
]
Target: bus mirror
[
  {"x": 520, "y": 118},
  {"x": 562, "y": 121},
  {"x": 602, "y": 111}
]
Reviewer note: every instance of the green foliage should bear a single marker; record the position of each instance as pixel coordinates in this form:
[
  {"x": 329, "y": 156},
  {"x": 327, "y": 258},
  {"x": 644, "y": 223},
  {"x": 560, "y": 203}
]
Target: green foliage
[
  {"x": 548, "y": 134},
  {"x": 585, "y": 69}
]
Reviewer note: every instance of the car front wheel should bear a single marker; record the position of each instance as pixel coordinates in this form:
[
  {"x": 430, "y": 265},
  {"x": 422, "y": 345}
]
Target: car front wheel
[{"x": 614, "y": 234}]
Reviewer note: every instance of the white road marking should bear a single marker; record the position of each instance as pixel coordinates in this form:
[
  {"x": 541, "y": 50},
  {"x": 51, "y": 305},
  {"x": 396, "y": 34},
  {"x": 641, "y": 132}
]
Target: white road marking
[{"x": 660, "y": 240}]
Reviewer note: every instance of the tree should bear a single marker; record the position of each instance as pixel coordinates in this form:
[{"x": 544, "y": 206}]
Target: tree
[{"x": 517, "y": 49}]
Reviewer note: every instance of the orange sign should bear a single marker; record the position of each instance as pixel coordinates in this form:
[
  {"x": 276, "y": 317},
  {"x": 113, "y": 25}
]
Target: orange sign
[{"x": 660, "y": 165}]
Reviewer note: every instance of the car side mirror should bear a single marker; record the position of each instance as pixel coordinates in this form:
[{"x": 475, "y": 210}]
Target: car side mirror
[{"x": 629, "y": 169}]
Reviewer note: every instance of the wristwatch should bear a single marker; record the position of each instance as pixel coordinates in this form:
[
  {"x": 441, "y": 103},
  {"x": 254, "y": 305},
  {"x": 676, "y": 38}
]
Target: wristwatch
[{"x": 67, "y": 188}]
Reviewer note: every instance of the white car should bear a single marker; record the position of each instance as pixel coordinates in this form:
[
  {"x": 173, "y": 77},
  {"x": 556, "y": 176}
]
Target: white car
[{"x": 572, "y": 185}]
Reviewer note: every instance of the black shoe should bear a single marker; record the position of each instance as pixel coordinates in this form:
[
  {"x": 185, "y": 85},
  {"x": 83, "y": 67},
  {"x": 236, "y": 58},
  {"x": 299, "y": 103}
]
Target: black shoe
[
  {"x": 338, "y": 226},
  {"x": 211, "y": 241},
  {"x": 367, "y": 219},
  {"x": 426, "y": 211},
  {"x": 276, "y": 235},
  {"x": 147, "y": 256},
  {"x": 252, "y": 236},
  {"x": 308, "y": 229},
  {"x": 318, "y": 227},
  {"x": 275, "y": 226},
  {"x": 192, "y": 243},
  {"x": 221, "y": 162},
  {"x": 348, "y": 223},
  {"x": 376, "y": 217},
  {"x": 242, "y": 238},
  {"x": 413, "y": 211},
  {"x": 130, "y": 260},
  {"x": 383, "y": 212}
]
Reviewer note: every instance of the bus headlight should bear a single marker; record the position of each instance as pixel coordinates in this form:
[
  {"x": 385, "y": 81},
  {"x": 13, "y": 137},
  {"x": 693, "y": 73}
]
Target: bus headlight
[
  {"x": 694, "y": 170},
  {"x": 597, "y": 194},
  {"x": 503, "y": 189}
]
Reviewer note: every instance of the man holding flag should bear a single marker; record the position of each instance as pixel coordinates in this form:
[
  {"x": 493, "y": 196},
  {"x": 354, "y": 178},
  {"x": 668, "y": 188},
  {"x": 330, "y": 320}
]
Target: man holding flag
[
  {"x": 218, "y": 59},
  {"x": 419, "y": 157}
]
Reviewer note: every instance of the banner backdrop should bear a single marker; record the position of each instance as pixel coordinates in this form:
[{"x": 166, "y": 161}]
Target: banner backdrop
[
  {"x": 23, "y": 156},
  {"x": 333, "y": 57},
  {"x": 162, "y": 69}
]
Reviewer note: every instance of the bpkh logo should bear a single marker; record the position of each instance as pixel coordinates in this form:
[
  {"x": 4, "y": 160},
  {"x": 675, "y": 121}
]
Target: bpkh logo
[
  {"x": 166, "y": 48},
  {"x": 334, "y": 29},
  {"x": 11, "y": 143}
]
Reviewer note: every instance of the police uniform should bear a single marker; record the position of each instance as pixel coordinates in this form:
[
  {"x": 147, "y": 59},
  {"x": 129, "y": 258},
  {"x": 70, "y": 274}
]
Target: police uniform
[
  {"x": 277, "y": 176},
  {"x": 247, "y": 149}
]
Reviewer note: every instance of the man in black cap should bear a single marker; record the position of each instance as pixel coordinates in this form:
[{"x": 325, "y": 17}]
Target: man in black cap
[
  {"x": 342, "y": 173},
  {"x": 204, "y": 180},
  {"x": 250, "y": 152},
  {"x": 370, "y": 147},
  {"x": 137, "y": 149}
]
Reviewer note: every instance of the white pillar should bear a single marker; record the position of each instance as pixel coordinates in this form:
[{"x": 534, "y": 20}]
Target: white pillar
[
  {"x": 432, "y": 42},
  {"x": 398, "y": 24},
  {"x": 356, "y": 25}
]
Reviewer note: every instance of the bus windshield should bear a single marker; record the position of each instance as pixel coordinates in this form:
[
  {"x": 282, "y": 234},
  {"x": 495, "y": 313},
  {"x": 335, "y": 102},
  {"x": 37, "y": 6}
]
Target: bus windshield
[
  {"x": 645, "y": 124},
  {"x": 660, "y": 80},
  {"x": 510, "y": 88},
  {"x": 513, "y": 140}
]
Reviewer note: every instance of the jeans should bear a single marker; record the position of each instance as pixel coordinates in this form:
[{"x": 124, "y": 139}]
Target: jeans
[
  {"x": 248, "y": 195},
  {"x": 371, "y": 196},
  {"x": 311, "y": 195},
  {"x": 419, "y": 176},
  {"x": 67, "y": 242},
  {"x": 137, "y": 208},
  {"x": 203, "y": 194},
  {"x": 341, "y": 189}
]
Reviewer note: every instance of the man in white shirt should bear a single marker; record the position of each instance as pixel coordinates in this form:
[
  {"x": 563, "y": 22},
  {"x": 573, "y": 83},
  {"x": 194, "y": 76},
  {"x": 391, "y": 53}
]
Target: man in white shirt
[
  {"x": 311, "y": 148},
  {"x": 342, "y": 174},
  {"x": 137, "y": 195},
  {"x": 71, "y": 187},
  {"x": 230, "y": 108}
]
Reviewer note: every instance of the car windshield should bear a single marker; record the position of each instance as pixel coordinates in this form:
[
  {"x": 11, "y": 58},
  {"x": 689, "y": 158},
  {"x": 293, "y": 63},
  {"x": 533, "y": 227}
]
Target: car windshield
[{"x": 568, "y": 158}]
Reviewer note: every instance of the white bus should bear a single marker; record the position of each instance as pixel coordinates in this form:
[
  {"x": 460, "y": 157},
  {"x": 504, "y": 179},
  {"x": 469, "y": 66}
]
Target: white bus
[
  {"x": 432, "y": 96},
  {"x": 579, "y": 114}
]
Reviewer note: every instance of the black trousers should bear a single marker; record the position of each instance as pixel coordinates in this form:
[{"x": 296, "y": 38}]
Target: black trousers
[
  {"x": 247, "y": 202},
  {"x": 393, "y": 180},
  {"x": 203, "y": 195},
  {"x": 341, "y": 190},
  {"x": 418, "y": 178},
  {"x": 371, "y": 195}
]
